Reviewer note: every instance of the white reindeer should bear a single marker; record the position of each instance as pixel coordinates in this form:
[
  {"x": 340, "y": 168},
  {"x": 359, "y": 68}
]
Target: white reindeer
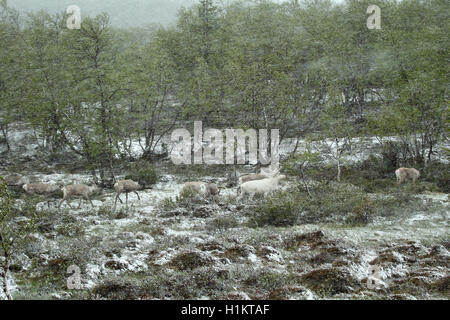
[
  {"x": 403, "y": 174},
  {"x": 264, "y": 186},
  {"x": 265, "y": 173},
  {"x": 125, "y": 186},
  {"x": 80, "y": 190},
  {"x": 252, "y": 177}
]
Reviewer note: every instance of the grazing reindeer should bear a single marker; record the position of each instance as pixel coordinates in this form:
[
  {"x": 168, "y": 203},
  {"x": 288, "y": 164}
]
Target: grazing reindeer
[
  {"x": 41, "y": 189},
  {"x": 80, "y": 190},
  {"x": 125, "y": 186},
  {"x": 202, "y": 188},
  {"x": 212, "y": 189},
  {"x": 263, "y": 187},
  {"x": 403, "y": 174}
]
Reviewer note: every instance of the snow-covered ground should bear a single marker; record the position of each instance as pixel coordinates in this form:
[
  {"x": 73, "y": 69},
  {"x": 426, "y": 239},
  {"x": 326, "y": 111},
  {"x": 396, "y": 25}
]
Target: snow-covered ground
[{"x": 147, "y": 239}]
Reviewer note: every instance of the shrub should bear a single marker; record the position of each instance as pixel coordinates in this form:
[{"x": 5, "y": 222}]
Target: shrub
[
  {"x": 143, "y": 173},
  {"x": 334, "y": 202},
  {"x": 222, "y": 223},
  {"x": 363, "y": 212},
  {"x": 439, "y": 174},
  {"x": 280, "y": 210},
  {"x": 168, "y": 204}
]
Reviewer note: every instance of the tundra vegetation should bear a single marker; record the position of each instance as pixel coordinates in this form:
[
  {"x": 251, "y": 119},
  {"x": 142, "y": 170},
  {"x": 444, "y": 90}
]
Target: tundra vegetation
[{"x": 353, "y": 105}]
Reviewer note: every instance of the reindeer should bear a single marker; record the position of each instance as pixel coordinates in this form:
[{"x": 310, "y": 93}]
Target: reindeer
[
  {"x": 126, "y": 186},
  {"x": 252, "y": 177},
  {"x": 202, "y": 188},
  {"x": 403, "y": 174},
  {"x": 264, "y": 186},
  {"x": 16, "y": 180},
  {"x": 41, "y": 189},
  {"x": 80, "y": 190},
  {"x": 265, "y": 173}
]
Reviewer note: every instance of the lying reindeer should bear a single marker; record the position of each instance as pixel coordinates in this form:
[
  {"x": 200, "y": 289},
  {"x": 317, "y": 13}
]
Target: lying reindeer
[{"x": 264, "y": 186}]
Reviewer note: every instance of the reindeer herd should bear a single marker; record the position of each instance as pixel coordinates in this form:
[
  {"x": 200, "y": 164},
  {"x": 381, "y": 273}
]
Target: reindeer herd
[{"x": 262, "y": 183}]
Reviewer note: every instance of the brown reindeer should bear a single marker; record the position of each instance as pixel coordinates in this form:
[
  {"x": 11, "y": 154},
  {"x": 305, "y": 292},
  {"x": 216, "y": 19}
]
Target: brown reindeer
[{"x": 126, "y": 186}]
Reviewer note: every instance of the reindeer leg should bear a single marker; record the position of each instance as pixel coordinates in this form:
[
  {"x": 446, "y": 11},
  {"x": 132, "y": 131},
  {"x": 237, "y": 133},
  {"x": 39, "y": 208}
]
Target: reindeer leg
[
  {"x": 137, "y": 195},
  {"x": 79, "y": 205},
  {"x": 115, "y": 202},
  {"x": 126, "y": 202},
  {"x": 90, "y": 201},
  {"x": 68, "y": 202}
]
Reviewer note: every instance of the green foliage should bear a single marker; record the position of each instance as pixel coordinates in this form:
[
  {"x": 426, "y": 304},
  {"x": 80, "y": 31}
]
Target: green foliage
[
  {"x": 143, "y": 173},
  {"x": 439, "y": 174},
  {"x": 305, "y": 69},
  {"x": 281, "y": 210},
  {"x": 339, "y": 202},
  {"x": 363, "y": 212},
  {"x": 168, "y": 204},
  {"x": 15, "y": 230},
  {"x": 222, "y": 223}
]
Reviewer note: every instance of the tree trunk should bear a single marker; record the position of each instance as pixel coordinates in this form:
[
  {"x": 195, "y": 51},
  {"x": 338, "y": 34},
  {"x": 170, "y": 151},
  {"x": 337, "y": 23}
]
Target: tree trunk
[
  {"x": 339, "y": 171},
  {"x": 4, "y": 129},
  {"x": 5, "y": 278}
]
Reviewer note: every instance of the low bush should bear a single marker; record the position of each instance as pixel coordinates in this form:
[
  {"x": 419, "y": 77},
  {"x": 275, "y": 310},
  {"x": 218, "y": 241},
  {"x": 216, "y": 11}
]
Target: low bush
[
  {"x": 280, "y": 210},
  {"x": 222, "y": 223},
  {"x": 143, "y": 173},
  {"x": 333, "y": 202}
]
